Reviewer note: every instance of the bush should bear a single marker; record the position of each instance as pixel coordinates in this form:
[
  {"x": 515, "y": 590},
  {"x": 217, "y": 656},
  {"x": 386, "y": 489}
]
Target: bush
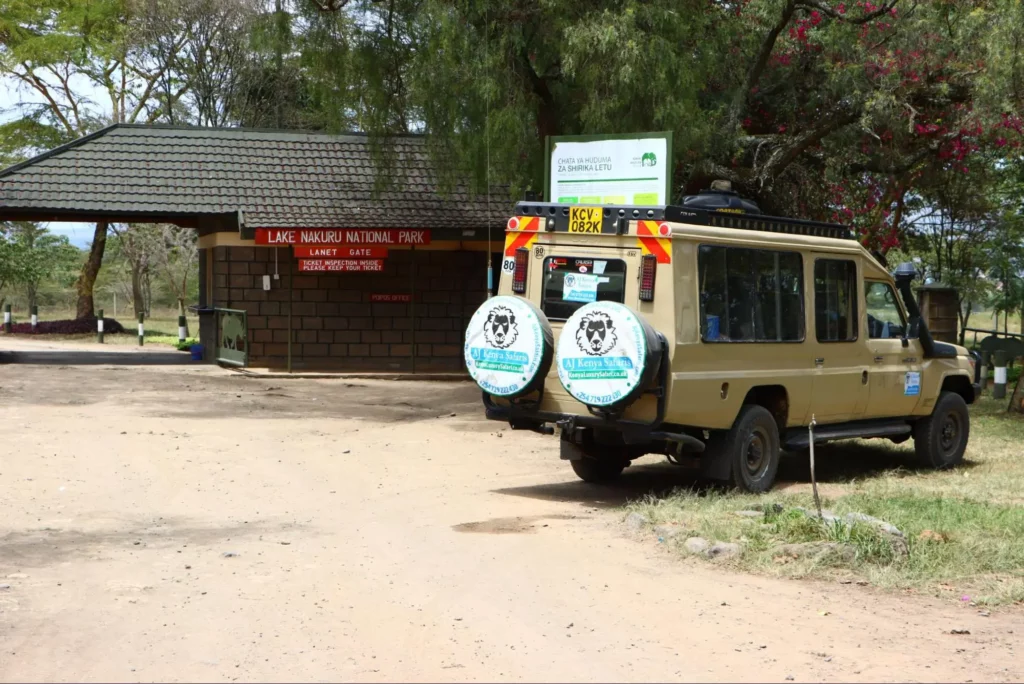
[
  {"x": 74, "y": 326},
  {"x": 186, "y": 345}
]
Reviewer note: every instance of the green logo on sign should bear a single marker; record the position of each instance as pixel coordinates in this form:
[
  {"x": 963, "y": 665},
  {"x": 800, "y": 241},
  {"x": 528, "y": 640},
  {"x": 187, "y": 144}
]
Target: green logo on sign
[{"x": 649, "y": 159}]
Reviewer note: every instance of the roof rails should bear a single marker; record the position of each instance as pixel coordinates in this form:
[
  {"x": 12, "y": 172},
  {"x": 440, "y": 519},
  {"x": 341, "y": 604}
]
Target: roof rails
[{"x": 615, "y": 218}]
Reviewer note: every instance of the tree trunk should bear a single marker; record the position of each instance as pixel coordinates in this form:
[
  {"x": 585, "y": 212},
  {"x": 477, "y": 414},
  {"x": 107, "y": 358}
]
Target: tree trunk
[
  {"x": 32, "y": 294},
  {"x": 87, "y": 278},
  {"x": 138, "y": 297}
]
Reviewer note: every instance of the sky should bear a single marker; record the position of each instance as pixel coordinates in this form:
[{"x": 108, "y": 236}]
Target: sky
[{"x": 80, "y": 234}]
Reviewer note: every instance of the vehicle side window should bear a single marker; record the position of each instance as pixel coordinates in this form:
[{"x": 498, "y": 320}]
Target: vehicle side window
[
  {"x": 835, "y": 300},
  {"x": 885, "y": 319},
  {"x": 750, "y": 295}
]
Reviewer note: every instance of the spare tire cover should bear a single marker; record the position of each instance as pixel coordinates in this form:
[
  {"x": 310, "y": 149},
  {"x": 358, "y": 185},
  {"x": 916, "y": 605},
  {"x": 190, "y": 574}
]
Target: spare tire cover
[
  {"x": 607, "y": 355},
  {"x": 509, "y": 346}
]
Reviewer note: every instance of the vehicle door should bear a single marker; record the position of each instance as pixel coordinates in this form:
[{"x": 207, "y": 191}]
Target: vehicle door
[
  {"x": 838, "y": 352},
  {"x": 895, "y": 374}
]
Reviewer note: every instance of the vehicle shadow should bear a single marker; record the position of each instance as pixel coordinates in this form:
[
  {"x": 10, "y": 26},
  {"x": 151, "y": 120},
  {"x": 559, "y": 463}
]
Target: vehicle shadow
[{"x": 835, "y": 464}]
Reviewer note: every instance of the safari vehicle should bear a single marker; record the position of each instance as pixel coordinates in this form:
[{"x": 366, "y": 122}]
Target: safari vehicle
[{"x": 709, "y": 329}]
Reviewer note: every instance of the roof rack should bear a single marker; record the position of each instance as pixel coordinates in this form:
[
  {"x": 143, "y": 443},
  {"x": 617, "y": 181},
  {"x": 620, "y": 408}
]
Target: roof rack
[{"x": 616, "y": 217}]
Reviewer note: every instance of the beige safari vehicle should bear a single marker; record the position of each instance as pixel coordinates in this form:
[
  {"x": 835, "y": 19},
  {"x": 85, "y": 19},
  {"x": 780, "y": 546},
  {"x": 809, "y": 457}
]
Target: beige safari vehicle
[{"x": 709, "y": 329}]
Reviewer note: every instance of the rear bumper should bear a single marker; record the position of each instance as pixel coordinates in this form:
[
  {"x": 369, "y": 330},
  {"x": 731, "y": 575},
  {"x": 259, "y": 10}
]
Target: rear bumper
[{"x": 633, "y": 432}]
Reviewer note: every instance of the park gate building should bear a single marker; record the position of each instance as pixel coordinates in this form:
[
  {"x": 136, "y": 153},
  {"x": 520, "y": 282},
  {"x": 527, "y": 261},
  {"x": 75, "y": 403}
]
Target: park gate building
[{"x": 332, "y": 271}]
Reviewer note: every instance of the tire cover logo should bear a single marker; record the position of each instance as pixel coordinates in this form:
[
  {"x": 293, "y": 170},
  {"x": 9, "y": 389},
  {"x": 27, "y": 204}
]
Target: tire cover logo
[
  {"x": 601, "y": 353},
  {"x": 504, "y": 346}
]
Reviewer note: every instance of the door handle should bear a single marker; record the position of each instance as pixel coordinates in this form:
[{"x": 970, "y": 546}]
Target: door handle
[
  {"x": 820, "y": 361},
  {"x": 879, "y": 359}
]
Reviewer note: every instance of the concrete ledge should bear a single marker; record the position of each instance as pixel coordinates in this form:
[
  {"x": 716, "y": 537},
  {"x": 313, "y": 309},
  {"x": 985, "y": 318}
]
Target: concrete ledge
[{"x": 267, "y": 373}]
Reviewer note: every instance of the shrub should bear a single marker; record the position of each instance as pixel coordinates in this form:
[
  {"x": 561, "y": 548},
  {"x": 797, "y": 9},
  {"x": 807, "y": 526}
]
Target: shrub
[{"x": 74, "y": 326}]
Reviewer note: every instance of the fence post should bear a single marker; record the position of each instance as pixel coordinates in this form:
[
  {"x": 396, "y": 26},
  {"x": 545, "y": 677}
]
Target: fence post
[
  {"x": 7, "y": 318},
  {"x": 99, "y": 326},
  {"x": 986, "y": 362},
  {"x": 142, "y": 332},
  {"x": 181, "y": 328},
  {"x": 999, "y": 362},
  {"x": 35, "y": 317}
]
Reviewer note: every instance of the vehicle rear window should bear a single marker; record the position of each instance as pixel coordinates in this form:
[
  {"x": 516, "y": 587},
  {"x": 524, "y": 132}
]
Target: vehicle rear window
[{"x": 571, "y": 282}]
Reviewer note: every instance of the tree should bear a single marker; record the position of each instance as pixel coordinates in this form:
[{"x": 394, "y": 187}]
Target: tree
[
  {"x": 177, "y": 256},
  {"x": 30, "y": 254},
  {"x": 138, "y": 246},
  {"x": 51, "y": 47}
]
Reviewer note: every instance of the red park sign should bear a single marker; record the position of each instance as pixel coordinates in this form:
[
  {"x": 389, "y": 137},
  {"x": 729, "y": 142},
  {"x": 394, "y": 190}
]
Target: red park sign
[
  {"x": 342, "y": 252},
  {"x": 330, "y": 265},
  {"x": 346, "y": 236}
]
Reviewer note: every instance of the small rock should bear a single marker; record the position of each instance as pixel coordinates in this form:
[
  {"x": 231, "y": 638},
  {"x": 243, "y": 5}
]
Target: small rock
[
  {"x": 285, "y": 543},
  {"x": 667, "y": 532},
  {"x": 749, "y": 514},
  {"x": 789, "y": 678},
  {"x": 636, "y": 521},
  {"x": 696, "y": 545},
  {"x": 230, "y": 554},
  {"x": 4, "y": 586},
  {"x": 815, "y": 549},
  {"x": 347, "y": 451},
  {"x": 984, "y": 613},
  {"x": 725, "y": 550},
  {"x": 959, "y": 630},
  {"x": 188, "y": 567},
  {"x": 888, "y": 528},
  {"x": 135, "y": 543}
]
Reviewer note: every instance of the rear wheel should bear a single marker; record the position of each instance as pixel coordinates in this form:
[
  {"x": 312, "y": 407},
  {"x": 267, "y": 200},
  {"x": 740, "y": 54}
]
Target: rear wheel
[
  {"x": 593, "y": 462},
  {"x": 597, "y": 471},
  {"x": 941, "y": 439},
  {"x": 748, "y": 453}
]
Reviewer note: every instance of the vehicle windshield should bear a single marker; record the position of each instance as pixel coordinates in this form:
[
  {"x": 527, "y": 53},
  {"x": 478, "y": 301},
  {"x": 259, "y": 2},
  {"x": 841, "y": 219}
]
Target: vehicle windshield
[{"x": 571, "y": 282}]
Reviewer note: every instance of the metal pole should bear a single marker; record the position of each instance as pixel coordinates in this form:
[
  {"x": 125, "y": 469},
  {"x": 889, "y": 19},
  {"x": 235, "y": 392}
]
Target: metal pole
[
  {"x": 142, "y": 332},
  {"x": 291, "y": 295},
  {"x": 7, "y": 318},
  {"x": 182, "y": 326},
  {"x": 999, "y": 362},
  {"x": 412, "y": 301},
  {"x": 814, "y": 479},
  {"x": 99, "y": 326}
]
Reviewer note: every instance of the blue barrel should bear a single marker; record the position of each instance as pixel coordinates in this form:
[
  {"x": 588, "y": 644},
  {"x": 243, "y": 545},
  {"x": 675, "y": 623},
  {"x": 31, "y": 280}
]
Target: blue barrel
[{"x": 197, "y": 352}]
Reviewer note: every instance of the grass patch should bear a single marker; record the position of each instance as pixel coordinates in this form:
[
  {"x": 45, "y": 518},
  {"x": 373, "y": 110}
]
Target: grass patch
[{"x": 963, "y": 528}]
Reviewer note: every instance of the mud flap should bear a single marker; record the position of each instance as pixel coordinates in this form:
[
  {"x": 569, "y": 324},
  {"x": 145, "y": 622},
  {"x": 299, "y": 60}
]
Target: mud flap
[{"x": 714, "y": 462}]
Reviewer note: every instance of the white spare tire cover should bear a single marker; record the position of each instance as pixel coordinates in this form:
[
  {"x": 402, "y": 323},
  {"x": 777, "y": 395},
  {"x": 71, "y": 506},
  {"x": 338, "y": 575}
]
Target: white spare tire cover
[
  {"x": 607, "y": 355},
  {"x": 509, "y": 346}
]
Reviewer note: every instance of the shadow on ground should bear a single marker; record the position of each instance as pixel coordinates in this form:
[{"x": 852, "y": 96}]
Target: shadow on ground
[{"x": 836, "y": 463}]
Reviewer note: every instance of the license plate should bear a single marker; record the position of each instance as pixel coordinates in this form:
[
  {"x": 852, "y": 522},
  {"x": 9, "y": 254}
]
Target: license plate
[{"x": 584, "y": 219}]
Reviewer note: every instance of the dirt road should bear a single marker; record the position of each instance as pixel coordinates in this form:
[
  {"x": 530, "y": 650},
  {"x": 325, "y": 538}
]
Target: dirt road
[{"x": 184, "y": 524}]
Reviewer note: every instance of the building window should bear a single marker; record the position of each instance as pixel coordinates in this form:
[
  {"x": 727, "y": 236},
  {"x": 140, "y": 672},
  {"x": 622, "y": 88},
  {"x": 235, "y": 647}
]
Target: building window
[
  {"x": 885, "y": 319},
  {"x": 750, "y": 295},
  {"x": 835, "y": 300}
]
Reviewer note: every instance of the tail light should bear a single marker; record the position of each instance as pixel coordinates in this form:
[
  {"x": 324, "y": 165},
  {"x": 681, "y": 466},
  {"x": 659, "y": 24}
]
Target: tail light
[
  {"x": 519, "y": 275},
  {"x": 648, "y": 269}
]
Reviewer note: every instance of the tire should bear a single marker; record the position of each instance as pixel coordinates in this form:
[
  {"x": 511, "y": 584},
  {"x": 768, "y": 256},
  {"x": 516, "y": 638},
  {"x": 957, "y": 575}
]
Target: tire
[
  {"x": 748, "y": 453},
  {"x": 597, "y": 471},
  {"x": 594, "y": 463},
  {"x": 941, "y": 439}
]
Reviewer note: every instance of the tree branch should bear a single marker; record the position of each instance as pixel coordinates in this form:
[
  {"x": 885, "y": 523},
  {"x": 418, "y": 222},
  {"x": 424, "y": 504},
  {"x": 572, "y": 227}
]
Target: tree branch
[
  {"x": 40, "y": 86},
  {"x": 827, "y": 10},
  {"x": 785, "y": 155},
  {"x": 739, "y": 99}
]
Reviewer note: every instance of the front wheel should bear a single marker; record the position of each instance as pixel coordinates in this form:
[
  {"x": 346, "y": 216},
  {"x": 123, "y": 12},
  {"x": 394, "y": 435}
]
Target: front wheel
[{"x": 941, "y": 439}]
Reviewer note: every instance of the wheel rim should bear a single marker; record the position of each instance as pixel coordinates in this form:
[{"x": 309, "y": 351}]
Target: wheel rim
[
  {"x": 949, "y": 433},
  {"x": 756, "y": 452}
]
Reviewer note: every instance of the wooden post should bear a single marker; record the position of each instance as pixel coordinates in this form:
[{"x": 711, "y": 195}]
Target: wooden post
[
  {"x": 142, "y": 329},
  {"x": 99, "y": 326},
  {"x": 7, "y": 318},
  {"x": 35, "y": 317}
]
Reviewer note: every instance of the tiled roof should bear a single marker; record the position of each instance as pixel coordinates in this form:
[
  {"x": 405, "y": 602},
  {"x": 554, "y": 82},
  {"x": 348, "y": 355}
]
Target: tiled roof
[{"x": 275, "y": 178}]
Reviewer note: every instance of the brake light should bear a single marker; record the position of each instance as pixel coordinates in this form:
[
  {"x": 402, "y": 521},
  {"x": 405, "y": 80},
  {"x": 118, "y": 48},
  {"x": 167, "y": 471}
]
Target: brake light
[
  {"x": 519, "y": 275},
  {"x": 648, "y": 269}
]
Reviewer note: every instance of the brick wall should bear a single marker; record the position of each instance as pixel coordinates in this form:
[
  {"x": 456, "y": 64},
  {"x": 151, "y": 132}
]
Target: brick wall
[{"x": 335, "y": 326}]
